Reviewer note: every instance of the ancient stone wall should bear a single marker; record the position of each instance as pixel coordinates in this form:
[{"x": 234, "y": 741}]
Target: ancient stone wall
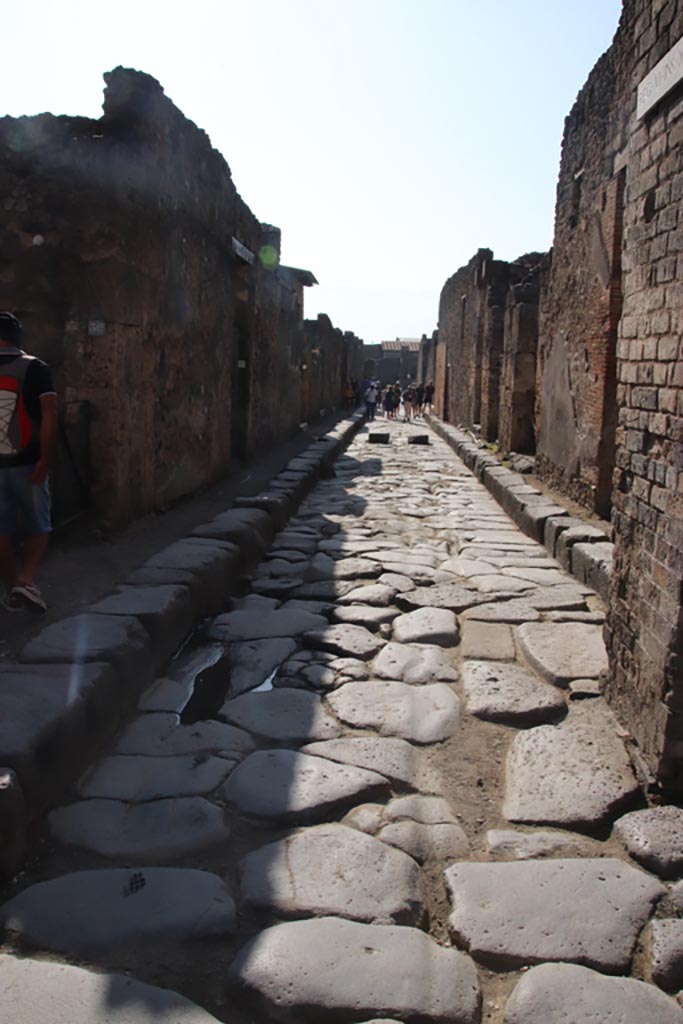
[
  {"x": 135, "y": 267},
  {"x": 581, "y": 304},
  {"x": 645, "y": 610}
]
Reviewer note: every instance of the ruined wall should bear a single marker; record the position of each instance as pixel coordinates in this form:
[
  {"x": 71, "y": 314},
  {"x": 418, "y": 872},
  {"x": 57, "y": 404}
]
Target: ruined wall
[
  {"x": 516, "y": 430},
  {"x": 118, "y": 257},
  {"x": 581, "y": 305},
  {"x": 461, "y": 330},
  {"x": 645, "y": 611}
]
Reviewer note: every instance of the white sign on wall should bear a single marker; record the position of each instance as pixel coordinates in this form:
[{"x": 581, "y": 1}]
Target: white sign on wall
[{"x": 663, "y": 77}]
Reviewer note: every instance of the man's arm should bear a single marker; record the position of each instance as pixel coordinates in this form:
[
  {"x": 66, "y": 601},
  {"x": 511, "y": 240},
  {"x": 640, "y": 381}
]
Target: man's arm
[{"x": 48, "y": 433}]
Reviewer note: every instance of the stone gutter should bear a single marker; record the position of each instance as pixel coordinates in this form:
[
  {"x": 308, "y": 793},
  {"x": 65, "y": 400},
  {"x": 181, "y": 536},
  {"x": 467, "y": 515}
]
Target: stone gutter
[
  {"x": 77, "y": 679},
  {"x": 583, "y": 550}
]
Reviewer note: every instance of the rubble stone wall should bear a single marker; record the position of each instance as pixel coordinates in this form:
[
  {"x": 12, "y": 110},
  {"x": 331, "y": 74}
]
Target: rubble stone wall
[{"x": 117, "y": 256}]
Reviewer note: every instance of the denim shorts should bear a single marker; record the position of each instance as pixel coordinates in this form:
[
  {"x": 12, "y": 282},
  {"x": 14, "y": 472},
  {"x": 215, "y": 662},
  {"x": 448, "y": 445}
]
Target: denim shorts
[{"x": 24, "y": 506}]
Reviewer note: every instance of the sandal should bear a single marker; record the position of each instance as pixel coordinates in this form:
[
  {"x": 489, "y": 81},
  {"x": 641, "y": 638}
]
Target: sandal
[
  {"x": 30, "y": 593},
  {"x": 12, "y": 603}
]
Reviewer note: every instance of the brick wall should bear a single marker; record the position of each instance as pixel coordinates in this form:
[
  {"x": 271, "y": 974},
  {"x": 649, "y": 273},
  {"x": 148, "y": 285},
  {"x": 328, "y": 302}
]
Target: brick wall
[{"x": 644, "y": 619}]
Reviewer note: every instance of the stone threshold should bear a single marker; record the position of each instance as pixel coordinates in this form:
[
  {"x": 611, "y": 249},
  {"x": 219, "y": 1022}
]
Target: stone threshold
[
  {"x": 581, "y": 549},
  {"x": 75, "y": 681}
]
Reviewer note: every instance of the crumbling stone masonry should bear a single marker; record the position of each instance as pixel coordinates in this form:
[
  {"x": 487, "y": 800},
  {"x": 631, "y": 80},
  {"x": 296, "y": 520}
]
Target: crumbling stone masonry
[{"x": 176, "y": 338}]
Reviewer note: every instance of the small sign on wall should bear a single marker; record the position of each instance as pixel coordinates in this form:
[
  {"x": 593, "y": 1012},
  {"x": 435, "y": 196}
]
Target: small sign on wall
[{"x": 661, "y": 80}]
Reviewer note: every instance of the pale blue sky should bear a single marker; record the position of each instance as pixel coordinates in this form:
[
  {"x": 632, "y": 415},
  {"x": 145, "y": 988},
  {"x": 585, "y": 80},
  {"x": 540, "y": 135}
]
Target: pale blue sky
[{"x": 389, "y": 139}]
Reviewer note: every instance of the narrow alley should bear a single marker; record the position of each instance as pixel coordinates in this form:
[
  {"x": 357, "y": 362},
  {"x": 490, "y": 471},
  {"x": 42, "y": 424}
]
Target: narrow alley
[{"x": 382, "y": 785}]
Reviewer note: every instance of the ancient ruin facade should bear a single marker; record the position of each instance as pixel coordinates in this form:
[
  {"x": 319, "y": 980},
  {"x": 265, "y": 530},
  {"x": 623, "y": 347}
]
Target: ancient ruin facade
[
  {"x": 176, "y": 338},
  {"x": 590, "y": 373}
]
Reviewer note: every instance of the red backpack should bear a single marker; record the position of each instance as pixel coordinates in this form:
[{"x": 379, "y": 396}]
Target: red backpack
[{"x": 17, "y": 429}]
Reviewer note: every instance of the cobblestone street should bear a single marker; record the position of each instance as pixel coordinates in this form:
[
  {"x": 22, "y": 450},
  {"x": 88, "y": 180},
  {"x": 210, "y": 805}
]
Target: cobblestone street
[{"x": 383, "y": 785}]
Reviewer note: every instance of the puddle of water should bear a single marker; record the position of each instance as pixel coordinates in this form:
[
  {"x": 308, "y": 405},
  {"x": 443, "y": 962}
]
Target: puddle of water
[{"x": 267, "y": 683}]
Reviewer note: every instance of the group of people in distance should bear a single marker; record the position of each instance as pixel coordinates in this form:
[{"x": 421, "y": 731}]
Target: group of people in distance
[{"x": 414, "y": 397}]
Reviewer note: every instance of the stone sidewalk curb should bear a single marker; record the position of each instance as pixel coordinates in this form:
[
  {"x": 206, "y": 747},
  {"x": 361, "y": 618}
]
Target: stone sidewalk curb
[
  {"x": 583, "y": 550},
  {"x": 80, "y": 676}
]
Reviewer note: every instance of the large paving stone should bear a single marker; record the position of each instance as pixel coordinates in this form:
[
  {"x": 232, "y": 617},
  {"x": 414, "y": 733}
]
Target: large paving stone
[
  {"x": 452, "y": 596},
  {"x": 119, "y": 640},
  {"x": 285, "y": 715},
  {"x": 351, "y": 641},
  {"x": 330, "y": 969},
  {"x": 575, "y": 774},
  {"x": 253, "y": 661},
  {"x": 52, "y": 718},
  {"x": 667, "y": 953},
  {"x": 322, "y": 567},
  {"x": 89, "y": 912},
  {"x": 490, "y": 640},
  {"x": 137, "y": 778},
  {"x": 562, "y": 651},
  {"x": 212, "y": 566},
  {"x": 585, "y": 910},
  {"x": 39, "y": 990},
  {"x": 264, "y": 625},
  {"x": 498, "y": 692},
  {"x": 363, "y": 615},
  {"x": 414, "y": 663},
  {"x": 334, "y": 870},
  {"x": 425, "y": 841},
  {"x": 566, "y": 994},
  {"x": 429, "y": 810},
  {"x": 427, "y": 626},
  {"x": 566, "y": 598},
  {"x": 162, "y": 735},
  {"x": 377, "y": 595},
  {"x": 295, "y": 788},
  {"x": 542, "y": 843},
  {"x": 655, "y": 838},
  {"x": 395, "y": 759},
  {"x": 148, "y": 832},
  {"x": 425, "y": 714},
  {"x": 514, "y": 611}
]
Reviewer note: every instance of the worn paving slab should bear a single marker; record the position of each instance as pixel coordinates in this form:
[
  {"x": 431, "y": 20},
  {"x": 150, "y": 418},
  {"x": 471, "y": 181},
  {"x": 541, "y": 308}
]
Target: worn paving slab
[
  {"x": 346, "y": 641},
  {"x": 513, "y": 845},
  {"x": 454, "y": 597},
  {"x": 364, "y": 615},
  {"x": 259, "y": 625},
  {"x": 425, "y": 714},
  {"x": 437, "y": 626},
  {"x": 93, "y": 912},
  {"x": 490, "y": 640},
  {"x": 252, "y": 661},
  {"x": 396, "y": 759},
  {"x": 160, "y": 734},
  {"x": 564, "y": 651},
  {"x": 510, "y": 694},
  {"x": 425, "y": 841},
  {"x": 575, "y": 774},
  {"x": 334, "y": 870},
  {"x": 292, "y": 787},
  {"x": 148, "y": 832},
  {"x": 284, "y": 715},
  {"x": 586, "y": 911},
  {"x": 377, "y": 595},
  {"x": 513, "y": 611},
  {"x": 39, "y": 990},
  {"x": 654, "y": 837},
  {"x": 567, "y": 994},
  {"x": 140, "y": 778},
  {"x": 667, "y": 953},
  {"x": 414, "y": 663},
  {"x": 331, "y": 969},
  {"x": 429, "y": 810}
]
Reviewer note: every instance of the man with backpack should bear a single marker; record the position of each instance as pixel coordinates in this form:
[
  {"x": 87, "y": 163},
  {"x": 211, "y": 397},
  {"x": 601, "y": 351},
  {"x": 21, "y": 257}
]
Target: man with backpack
[{"x": 28, "y": 425}]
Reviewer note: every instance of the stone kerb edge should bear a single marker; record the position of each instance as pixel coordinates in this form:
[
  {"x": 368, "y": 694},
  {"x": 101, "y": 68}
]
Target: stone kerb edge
[
  {"x": 531, "y": 512},
  {"x": 325, "y": 448}
]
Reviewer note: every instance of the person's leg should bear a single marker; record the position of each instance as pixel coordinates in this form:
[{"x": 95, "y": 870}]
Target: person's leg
[
  {"x": 8, "y": 567},
  {"x": 8, "y": 526},
  {"x": 34, "y": 505}
]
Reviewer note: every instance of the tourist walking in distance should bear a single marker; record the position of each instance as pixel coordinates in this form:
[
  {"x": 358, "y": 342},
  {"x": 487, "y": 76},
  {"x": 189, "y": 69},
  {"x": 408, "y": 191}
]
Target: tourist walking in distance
[
  {"x": 429, "y": 395},
  {"x": 419, "y": 399},
  {"x": 370, "y": 401},
  {"x": 389, "y": 402},
  {"x": 28, "y": 425}
]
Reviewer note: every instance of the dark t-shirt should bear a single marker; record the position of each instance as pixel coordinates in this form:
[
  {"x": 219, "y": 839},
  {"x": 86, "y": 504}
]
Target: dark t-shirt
[{"x": 37, "y": 382}]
